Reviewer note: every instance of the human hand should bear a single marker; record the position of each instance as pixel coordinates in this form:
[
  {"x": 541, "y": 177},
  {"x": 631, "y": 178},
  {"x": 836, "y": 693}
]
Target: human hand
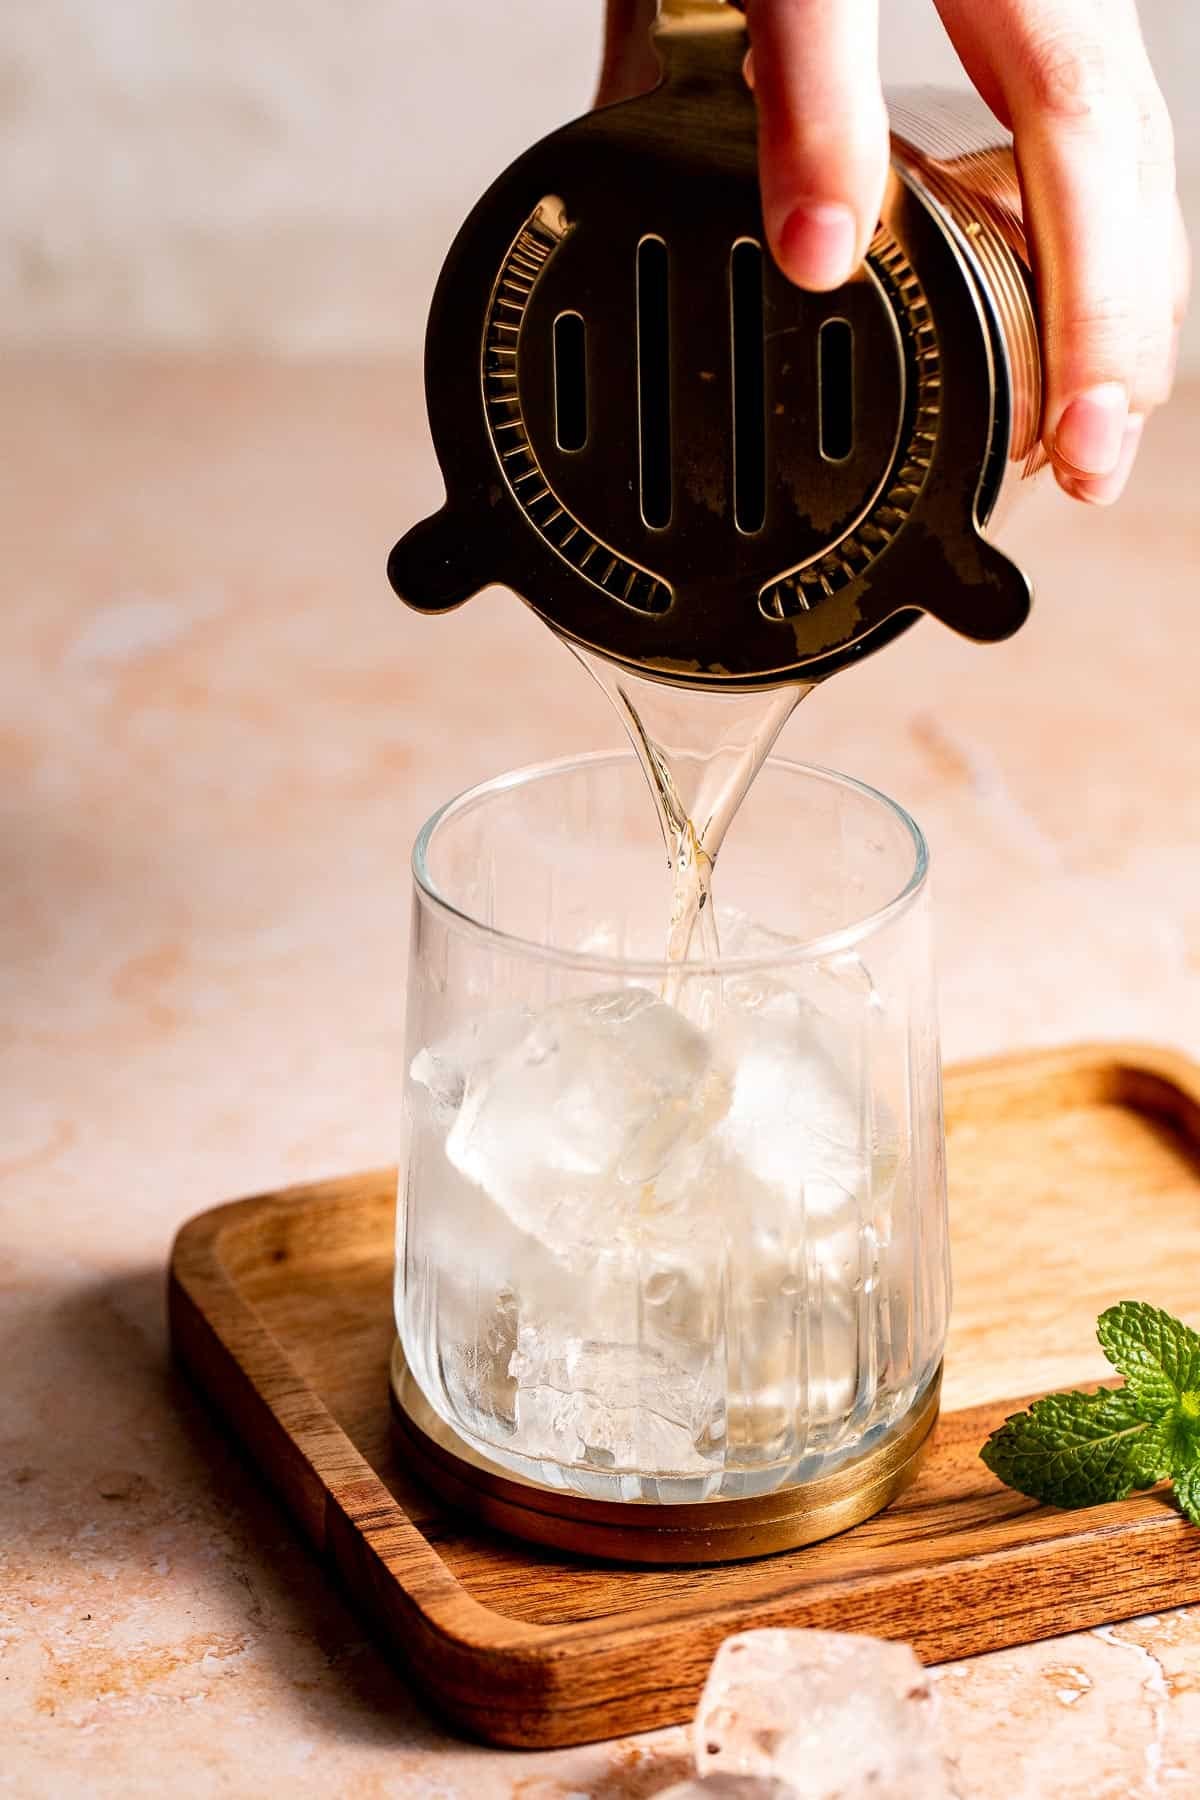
[{"x": 1095, "y": 155}]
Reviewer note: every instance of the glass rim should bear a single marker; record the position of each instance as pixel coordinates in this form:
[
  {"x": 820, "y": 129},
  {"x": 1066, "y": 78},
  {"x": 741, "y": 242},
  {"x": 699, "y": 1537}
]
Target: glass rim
[{"x": 812, "y": 949}]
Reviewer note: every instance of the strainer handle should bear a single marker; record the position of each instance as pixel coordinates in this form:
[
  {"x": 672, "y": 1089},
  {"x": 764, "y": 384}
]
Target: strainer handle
[{"x": 698, "y": 12}]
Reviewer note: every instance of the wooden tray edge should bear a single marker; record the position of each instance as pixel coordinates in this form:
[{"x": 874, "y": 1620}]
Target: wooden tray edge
[{"x": 341, "y": 1505}]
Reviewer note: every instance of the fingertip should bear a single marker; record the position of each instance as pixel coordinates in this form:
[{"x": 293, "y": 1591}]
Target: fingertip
[
  {"x": 823, "y": 134},
  {"x": 818, "y": 245},
  {"x": 1103, "y": 490},
  {"x": 1088, "y": 438}
]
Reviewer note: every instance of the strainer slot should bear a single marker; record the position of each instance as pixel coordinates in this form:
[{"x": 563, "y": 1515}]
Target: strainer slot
[
  {"x": 654, "y": 381},
  {"x": 835, "y": 388},
  {"x": 570, "y": 381},
  {"x": 749, "y": 403}
]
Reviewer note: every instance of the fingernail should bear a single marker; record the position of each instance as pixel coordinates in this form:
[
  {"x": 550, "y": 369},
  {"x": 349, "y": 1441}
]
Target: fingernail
[
  {"x": 1102, "y": 490},
  {"x": 817, "y": 245},
  {"x": 1091, "y": 432},
  {"x": 748, "y": 69}
]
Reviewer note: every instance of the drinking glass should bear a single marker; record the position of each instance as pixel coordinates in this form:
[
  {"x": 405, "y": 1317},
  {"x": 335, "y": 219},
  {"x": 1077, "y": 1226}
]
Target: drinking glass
[{"x": 671, "y": 1232}]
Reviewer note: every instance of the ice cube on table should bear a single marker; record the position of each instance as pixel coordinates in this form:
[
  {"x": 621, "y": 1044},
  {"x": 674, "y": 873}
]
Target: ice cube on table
[
  {"x": 566, "y": 1126},
  {"x": 833, "y": 1716}
]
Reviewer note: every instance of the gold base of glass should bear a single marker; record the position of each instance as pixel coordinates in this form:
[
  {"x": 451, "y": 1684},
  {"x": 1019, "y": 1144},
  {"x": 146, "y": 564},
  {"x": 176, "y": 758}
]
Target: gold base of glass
[{"x": 645, "y": 1531}]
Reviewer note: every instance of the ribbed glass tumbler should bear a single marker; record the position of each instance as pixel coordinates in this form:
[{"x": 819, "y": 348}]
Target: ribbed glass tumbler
[{"x": 671, "y": 1232}]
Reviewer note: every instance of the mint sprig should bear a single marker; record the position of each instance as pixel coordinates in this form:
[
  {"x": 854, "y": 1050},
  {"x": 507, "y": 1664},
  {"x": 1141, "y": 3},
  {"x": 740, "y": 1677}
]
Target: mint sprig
[
  {"x": 1084, "y": 1449},
  {"x": 1187, "y": 1492}
]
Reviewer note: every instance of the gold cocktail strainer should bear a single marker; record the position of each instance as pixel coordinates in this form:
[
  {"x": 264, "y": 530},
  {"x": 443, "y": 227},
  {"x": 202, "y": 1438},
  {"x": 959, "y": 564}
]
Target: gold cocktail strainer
[{"x": 683, "y": 462}]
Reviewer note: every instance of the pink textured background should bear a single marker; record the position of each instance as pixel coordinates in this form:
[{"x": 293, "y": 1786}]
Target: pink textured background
[{"x": 219, "y": 734}]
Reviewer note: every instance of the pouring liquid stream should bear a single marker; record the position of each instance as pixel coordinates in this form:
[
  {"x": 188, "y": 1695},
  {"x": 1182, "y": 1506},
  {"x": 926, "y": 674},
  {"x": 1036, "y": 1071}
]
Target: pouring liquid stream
[{"x": 700, "y": 753}]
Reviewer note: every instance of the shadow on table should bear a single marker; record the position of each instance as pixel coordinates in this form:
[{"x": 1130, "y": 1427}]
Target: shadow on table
[
  {"x": 122, "y": 1463},
  {"x": 121, "y": 1468}
]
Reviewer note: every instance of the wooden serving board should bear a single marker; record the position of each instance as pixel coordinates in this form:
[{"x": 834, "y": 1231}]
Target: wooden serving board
[{"x": 1074, "y": 1182}]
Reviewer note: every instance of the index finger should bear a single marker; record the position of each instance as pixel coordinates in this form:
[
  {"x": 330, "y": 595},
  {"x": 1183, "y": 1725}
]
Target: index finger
[{"x": 823, "y": 133}]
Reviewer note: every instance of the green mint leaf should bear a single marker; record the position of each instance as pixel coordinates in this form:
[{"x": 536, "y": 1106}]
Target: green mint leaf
[
  {"x": 1075, "y": 1449},
  {"x": 1159, "y": 1357},
  {"x": 1082, "y": 1449},
  {"x": 1187, "y": 1492},
  {"x": 1154, "y": 1452},
  {"x": 1179, "y": 1433}
]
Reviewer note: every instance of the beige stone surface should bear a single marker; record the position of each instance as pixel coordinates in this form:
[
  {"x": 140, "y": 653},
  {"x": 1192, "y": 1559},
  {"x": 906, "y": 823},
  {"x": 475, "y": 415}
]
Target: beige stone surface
[
  {"x": 218, "y": 737},
  {"x": 217, "y": 173}
]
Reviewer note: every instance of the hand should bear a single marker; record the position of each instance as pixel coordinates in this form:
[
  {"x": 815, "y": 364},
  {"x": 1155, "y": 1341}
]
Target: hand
[{"x": 1095, "y": 152}]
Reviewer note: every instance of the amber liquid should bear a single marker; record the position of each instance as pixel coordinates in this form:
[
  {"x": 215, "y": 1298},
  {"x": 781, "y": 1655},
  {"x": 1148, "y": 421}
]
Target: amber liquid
[{"x": 700, "y": 752}]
